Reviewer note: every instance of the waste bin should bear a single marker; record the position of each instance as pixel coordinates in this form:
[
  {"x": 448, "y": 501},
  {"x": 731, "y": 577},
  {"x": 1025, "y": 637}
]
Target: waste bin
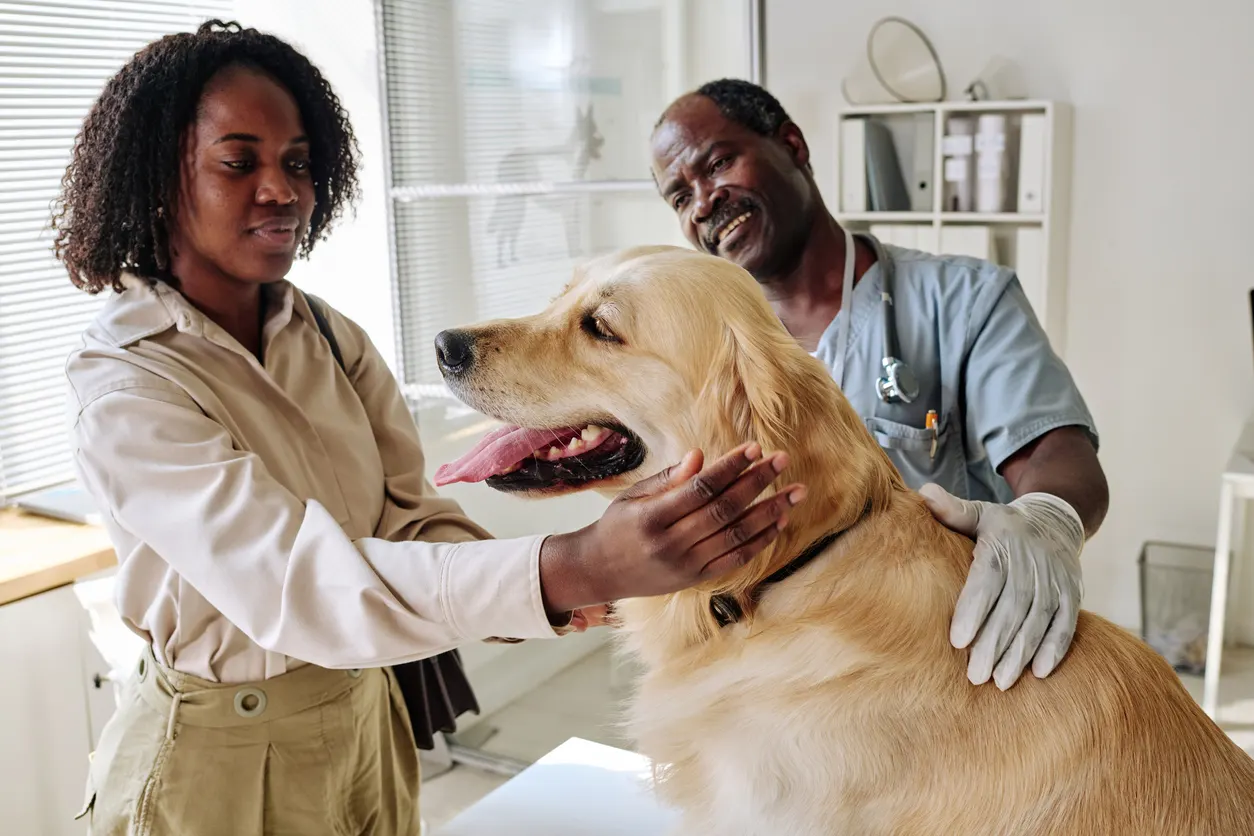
[{"x": 1175, "y": 602}]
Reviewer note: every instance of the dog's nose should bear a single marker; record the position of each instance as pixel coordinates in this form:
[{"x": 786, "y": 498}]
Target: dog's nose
[{"x": 454, "y": 351}]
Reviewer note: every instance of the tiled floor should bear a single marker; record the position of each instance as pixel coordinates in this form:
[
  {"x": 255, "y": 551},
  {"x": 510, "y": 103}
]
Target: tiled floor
[{"x": 580, "y": 702}]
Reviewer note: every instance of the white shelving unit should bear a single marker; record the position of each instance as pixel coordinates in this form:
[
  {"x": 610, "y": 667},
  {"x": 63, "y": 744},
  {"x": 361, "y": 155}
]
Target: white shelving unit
[{"x": 1042, "y": 263}]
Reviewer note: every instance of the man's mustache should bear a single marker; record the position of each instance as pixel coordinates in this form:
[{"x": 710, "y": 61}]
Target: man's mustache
[{"x": 724, "y": 214}]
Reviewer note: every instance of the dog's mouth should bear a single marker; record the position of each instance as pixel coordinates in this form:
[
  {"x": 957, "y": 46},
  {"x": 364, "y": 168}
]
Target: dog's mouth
[{"x": 547, "y": 460}]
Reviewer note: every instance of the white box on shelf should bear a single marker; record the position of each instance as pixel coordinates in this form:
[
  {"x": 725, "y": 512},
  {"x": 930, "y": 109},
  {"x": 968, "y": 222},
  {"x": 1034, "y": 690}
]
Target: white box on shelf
[
  {"x": 959, "y": 172},
  {"x": 910, "y": 236},
  {"x": 927, "y": 240},
  {"x": 885, "y": 233},
  {"x": 853, "y": 196},
  {"x": 899, "y": 235},
  {"x": 1031, "y": 198},
  {"x": 975, "y": 240},
  {"x": 992, "y": 167}
]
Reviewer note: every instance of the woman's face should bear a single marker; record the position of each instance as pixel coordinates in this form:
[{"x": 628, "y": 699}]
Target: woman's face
[{"x": 246, "y": 192}]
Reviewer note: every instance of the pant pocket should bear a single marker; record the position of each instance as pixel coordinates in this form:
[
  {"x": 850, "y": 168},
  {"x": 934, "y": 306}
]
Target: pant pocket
[
  {"x": 406, "y": 768},
  {"x": 382, "y": 792},
  {"x": 122, "y": 768}
]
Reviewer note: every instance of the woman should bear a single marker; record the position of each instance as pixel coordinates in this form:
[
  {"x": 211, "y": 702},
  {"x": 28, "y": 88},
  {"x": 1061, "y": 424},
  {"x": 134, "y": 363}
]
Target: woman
[{"x": 279, "y": 545}]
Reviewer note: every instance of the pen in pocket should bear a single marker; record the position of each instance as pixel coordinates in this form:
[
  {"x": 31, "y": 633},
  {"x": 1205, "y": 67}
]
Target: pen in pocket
[{"x": 931, "y": 423}]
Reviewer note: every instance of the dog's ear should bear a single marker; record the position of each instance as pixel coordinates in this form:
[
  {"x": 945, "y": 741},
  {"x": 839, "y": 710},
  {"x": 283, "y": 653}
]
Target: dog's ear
[
  {"x": 751, "y": 390},
  {"x": 763, "y": 387}
]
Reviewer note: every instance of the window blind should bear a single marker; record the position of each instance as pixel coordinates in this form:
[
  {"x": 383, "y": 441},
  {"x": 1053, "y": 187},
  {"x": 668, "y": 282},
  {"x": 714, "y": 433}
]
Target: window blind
[
  {"x": 54, "y": 59},
  {"x": 518, "y": 144}
]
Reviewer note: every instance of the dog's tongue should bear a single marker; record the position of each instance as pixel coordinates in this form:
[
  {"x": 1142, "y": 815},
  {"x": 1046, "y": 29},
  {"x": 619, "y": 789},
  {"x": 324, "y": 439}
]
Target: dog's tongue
[{"x": 497, "y": 451}]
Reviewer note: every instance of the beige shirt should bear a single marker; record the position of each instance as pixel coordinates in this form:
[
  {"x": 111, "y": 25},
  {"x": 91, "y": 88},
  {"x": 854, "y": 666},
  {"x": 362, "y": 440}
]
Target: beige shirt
[{"x": 269, "y": 516}]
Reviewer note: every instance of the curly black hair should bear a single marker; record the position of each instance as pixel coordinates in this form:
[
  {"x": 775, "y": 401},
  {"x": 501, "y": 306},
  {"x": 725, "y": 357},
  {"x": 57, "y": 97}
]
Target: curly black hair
[
  {"x": 123, "y": 176},
  {"x": 745, "y": 103}
]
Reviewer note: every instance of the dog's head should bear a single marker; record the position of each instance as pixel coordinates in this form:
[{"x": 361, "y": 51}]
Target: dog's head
[{"x": 647, "y": 353}]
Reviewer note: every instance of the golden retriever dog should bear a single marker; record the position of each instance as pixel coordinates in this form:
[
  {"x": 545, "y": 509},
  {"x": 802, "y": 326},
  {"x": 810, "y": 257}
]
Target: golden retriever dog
[{"x": 830, "y": 701}]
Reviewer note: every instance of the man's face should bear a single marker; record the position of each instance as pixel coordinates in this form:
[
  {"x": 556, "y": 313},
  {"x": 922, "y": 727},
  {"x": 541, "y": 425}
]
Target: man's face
[{"x": 738, "y": 194}]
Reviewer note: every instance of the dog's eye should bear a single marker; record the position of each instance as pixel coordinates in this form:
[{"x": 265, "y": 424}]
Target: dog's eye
[{"x": 596, "y": 329}]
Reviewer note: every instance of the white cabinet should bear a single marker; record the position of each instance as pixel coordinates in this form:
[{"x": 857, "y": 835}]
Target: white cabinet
[
  {"x": 911, "y": 175},
  {"x": 46, "y": 717}
]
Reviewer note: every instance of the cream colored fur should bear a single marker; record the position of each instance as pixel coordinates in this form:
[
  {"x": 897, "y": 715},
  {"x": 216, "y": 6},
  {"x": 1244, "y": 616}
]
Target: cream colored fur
[{"x": 838, "y": 705}]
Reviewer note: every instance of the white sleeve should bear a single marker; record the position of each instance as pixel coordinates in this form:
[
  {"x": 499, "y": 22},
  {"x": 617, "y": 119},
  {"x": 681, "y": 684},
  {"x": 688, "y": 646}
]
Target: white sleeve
[{"x": 280, "y": 568}]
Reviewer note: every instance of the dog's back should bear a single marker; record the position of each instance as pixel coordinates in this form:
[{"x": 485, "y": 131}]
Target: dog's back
[
  {"x": 1110, "y": 743},
  {"x": 844, "y": 706}
]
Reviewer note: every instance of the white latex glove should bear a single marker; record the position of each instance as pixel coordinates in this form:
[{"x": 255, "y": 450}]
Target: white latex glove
[{"x": 1023, "y": 592}]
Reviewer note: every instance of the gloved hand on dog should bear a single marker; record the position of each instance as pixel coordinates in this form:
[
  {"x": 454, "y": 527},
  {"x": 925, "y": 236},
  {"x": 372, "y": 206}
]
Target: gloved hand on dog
[{"x": 1022, "y": 595}]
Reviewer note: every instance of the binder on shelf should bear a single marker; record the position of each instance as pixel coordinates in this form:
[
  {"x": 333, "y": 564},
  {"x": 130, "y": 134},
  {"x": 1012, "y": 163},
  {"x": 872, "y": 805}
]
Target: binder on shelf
[
  {"x": 1032, "y": 163},
  {"x": 974, "y": 240},
  {"x": 927, "y": 240},
  {"x": 899, "y": 235},
  {"x": 886, "y": 188},
  {"x": 1030, "y": 267},
  {"x": 911, "y": 236},
  {"x": 921, "y": 184},
  {"x": 886, "y": 233},
  {"x": 853, "y": 165}
]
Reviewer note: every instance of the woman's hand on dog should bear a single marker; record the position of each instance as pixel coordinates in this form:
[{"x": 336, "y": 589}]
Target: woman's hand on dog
[{"x": 671, "y": 531}]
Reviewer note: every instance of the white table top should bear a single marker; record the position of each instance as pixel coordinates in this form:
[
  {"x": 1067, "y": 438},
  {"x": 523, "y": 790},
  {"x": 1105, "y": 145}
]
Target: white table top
[{"x": 580, "y": 787}]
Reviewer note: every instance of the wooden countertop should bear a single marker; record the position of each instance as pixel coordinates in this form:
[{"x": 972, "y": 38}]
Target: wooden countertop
[{"x": 38, "y": 554}]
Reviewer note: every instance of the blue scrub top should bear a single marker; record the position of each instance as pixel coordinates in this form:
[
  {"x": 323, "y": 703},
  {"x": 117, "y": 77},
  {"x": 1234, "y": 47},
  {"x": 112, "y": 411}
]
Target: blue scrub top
[{"x": 983, "y": 362}]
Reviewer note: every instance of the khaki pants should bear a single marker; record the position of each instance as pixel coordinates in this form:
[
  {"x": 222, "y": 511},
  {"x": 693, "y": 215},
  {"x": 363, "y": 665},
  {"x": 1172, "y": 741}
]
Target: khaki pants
[{"x": 313, "y": 751}]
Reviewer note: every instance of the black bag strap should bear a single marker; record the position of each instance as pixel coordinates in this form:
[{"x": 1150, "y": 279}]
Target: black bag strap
[
  {"x": 320, "y": 317},
  {"x": 435, "y": 690}
]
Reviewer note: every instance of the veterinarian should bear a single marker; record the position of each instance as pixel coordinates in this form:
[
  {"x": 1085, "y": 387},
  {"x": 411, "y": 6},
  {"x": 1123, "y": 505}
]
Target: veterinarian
[
  {"x": 983, "y": 417},
  {"x": 280, "y": 547}
]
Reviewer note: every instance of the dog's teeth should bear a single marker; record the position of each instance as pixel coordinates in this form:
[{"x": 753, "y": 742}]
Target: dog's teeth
[
  {"x": 591, "y": 433},
  {"x": 511, "y": 469},
  {"x": 555, "y": 453},
  {"x": 575, "y": 443}
]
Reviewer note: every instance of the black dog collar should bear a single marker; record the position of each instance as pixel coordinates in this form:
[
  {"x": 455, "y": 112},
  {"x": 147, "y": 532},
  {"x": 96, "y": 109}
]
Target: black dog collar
[{"x": 727, "y": 610}]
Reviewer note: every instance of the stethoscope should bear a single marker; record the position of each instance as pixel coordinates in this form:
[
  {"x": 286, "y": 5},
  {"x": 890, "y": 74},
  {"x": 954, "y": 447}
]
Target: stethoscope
[{"x": 897, "y": 384}]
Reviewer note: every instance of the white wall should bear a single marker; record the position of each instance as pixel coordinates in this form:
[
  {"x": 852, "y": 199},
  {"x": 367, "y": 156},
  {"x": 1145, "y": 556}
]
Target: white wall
[
  {"x": 350, "y": 269},
  {"x": 1158, "y": 323}
]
